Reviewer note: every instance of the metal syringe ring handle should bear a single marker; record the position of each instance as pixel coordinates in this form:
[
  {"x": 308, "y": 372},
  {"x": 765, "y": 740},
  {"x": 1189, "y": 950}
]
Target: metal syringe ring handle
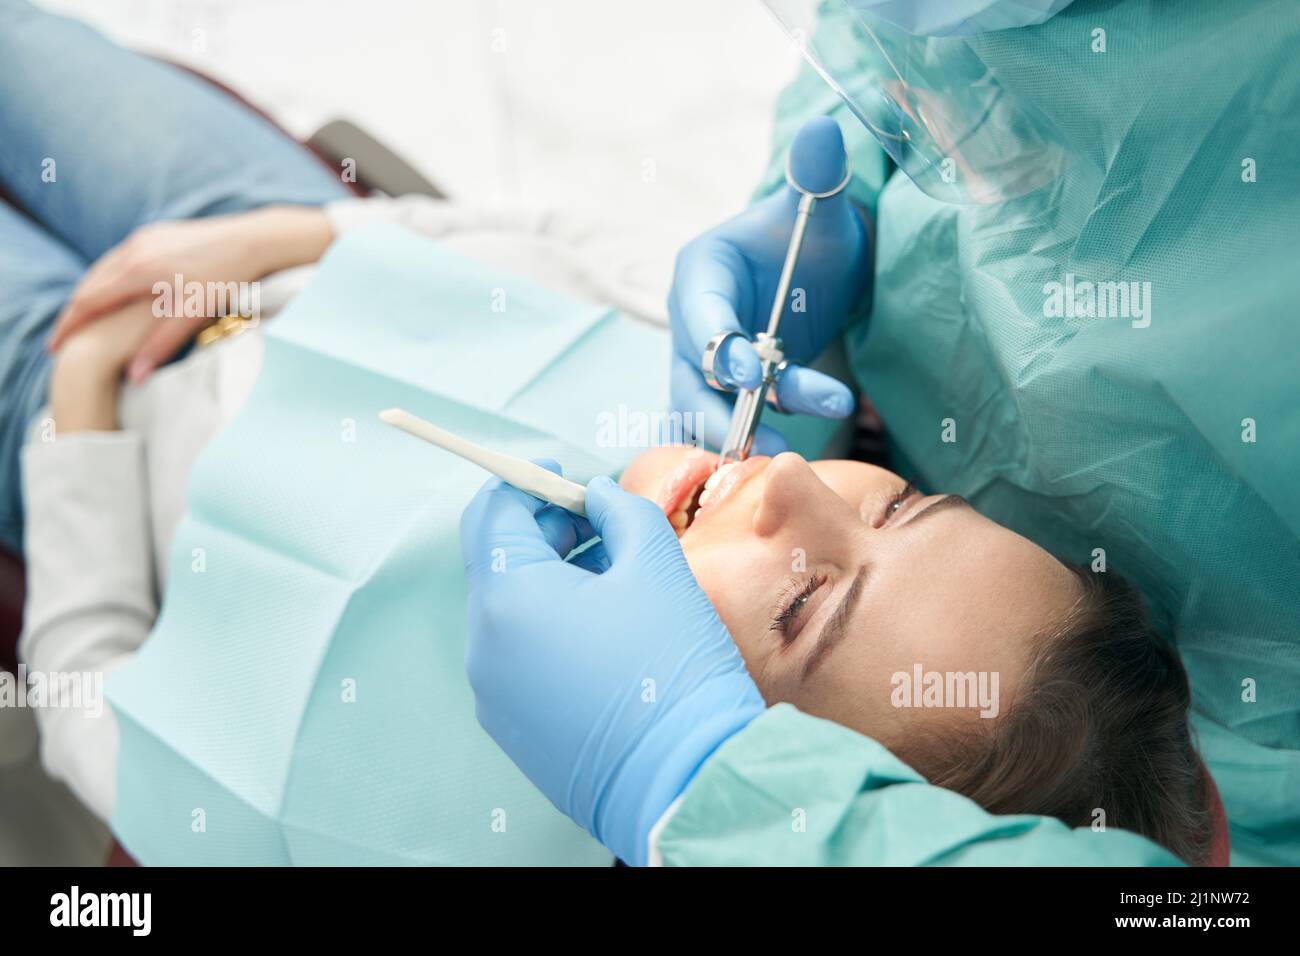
[
  {"x": 709, "y": 362},
  {"x": 750, "y": 401}
]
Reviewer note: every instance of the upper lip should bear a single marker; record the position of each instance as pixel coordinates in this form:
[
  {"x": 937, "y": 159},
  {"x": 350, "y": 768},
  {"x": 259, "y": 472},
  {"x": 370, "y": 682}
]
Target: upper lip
[
  {"x": 684, "y": 482},
  {"x": 730, "y": 482}
]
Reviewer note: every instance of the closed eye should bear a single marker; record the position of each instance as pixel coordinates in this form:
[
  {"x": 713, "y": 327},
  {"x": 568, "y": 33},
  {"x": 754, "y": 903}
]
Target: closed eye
[{"x": 878, "y": 513}]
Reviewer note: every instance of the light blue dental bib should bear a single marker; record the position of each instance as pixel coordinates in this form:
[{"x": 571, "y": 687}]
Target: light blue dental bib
[{"x": 302, "y": 699}]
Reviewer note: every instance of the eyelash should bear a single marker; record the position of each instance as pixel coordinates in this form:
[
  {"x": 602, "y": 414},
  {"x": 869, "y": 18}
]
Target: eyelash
[
  {"x": 798, "y": 591},
  {"x": 896, "y": 501},
  {"x": 795, "y": 595}
]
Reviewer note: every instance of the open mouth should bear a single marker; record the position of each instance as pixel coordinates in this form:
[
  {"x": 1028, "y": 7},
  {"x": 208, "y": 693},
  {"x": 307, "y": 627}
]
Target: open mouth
[
  {"x": 682, "y": 517},
  {"x": 690, "y": 489}
]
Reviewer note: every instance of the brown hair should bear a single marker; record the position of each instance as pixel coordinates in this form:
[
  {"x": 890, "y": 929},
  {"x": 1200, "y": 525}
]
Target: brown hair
[{"x": 1101, "y": 721}]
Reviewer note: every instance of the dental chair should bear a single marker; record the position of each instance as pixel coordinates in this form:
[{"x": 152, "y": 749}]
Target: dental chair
[{"x": 11, "y": 609}]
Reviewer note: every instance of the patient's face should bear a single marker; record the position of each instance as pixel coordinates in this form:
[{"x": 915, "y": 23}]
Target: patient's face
[{"x": 832, "y": 577}]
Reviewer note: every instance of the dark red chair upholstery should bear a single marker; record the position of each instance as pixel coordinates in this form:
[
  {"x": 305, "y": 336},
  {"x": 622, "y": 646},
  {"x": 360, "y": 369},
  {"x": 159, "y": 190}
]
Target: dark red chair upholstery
[
  {"x": 11, "y": 609},
  {"x": 1220, "y": 846}
]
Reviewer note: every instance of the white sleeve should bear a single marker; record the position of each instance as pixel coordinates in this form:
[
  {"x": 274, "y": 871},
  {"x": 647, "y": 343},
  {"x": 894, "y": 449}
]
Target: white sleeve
[
  {"x": 90, "y": 593},
  {"x": 654, "y": 857}
]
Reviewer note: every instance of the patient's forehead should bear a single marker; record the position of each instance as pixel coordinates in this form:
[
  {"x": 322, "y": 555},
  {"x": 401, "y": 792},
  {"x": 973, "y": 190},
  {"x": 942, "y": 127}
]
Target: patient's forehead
[
  {"x": 972, "y": 591},
  {"x": 963, "y": 595}
]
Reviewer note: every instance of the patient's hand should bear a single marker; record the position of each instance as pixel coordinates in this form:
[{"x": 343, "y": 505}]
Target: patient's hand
[
  {"x": 87, "y": 374},
  {"x": 238, "y": 248}
]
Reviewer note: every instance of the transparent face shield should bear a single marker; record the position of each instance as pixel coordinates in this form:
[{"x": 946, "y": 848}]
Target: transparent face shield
[{"x": 932, "y": 104}]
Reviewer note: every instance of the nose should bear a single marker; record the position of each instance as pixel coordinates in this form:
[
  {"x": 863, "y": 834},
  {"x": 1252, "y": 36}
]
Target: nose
[{"x": 795, "y": 500}]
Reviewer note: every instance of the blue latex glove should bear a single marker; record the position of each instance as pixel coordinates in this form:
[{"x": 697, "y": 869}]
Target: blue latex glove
[
  {"x": 608, "y": 680},
  {"x": 726, "y": 279}
]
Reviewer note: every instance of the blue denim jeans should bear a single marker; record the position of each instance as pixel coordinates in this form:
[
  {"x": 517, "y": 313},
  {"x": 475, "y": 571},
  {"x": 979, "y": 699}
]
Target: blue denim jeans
[{"x": 96, "y": 141}]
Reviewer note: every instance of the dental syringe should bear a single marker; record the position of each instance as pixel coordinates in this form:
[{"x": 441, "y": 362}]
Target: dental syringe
[{"x": 807, "y": 156}]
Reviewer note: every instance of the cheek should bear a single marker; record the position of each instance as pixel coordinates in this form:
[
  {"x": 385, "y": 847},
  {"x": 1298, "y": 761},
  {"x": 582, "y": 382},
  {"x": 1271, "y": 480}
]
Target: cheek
[
  {"x": 855, "y": 481},
  {"x": 742, "y": 587},
  {"x": 854, "y": 689}
]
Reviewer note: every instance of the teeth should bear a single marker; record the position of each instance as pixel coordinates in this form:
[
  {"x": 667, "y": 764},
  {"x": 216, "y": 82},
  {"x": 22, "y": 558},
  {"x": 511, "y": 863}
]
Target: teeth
[
  {"x": 716, "y": 477},
  {"x": 711, "y": 484},
  {"x": 678, "y": 519}
]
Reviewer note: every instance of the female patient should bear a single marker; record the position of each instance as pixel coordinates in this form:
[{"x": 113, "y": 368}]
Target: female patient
[
  {"x": 1089, "y": 705},
  {"x": 1090, "y": 709}
]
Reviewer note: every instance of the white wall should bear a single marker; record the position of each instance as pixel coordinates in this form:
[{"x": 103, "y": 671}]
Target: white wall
[{"x": 565, "y": 101}]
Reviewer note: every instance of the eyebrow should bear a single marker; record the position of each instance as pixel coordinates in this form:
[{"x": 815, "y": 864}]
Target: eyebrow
[
  {"x": 837, "y": 626},
  {"x": 943, "y": 504}
]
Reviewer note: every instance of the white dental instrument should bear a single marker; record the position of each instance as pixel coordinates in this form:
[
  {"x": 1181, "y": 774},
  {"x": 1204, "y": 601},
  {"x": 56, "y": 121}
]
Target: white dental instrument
[{"x": 523, "y": 474}]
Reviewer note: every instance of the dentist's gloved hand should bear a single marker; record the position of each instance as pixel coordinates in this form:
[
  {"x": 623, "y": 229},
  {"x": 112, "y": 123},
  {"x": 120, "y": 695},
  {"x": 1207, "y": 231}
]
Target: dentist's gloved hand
[
  {"x": 725, "y": 280},
  {"x": 608, "y": 680}
]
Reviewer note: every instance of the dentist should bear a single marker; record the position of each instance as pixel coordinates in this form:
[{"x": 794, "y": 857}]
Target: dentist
[{"x": 610, "y": 680}]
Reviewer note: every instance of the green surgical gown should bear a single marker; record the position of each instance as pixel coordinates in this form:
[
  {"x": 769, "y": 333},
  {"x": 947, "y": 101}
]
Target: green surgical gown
[{"x": 1167, "y": 445}]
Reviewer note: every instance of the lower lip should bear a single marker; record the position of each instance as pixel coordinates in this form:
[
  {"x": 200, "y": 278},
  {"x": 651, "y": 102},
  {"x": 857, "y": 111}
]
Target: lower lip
[{"x": 725, "y": 488}]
